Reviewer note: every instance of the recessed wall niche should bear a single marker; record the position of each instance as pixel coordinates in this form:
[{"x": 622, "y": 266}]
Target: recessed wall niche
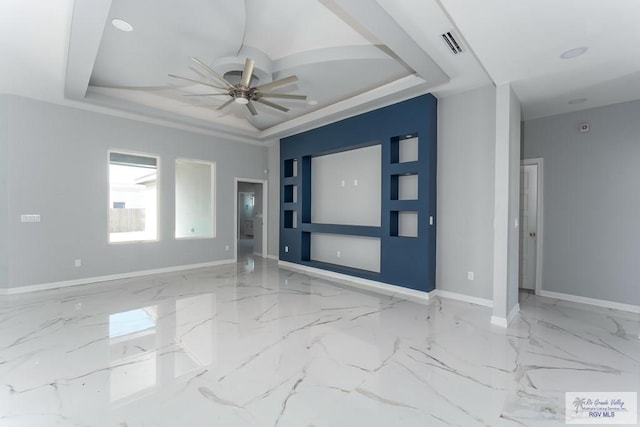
[
  {"x": 404, "y": 187},
  {"x": 358, "y": 252},
  {"x": 290, "y": 168},
  {"x": 290, "y": 193},
  {"x": 404, "y": 224},
  {"x": 345, "y": 187},
  {"x": 404, "y": 149},
  {"x": 290, "y": 219}
]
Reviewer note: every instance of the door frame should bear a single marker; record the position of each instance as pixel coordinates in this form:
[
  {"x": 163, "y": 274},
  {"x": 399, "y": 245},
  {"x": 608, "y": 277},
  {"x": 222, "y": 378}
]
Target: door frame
[
  {"x": 539, "y": 162},
  {"x": 265, "y": 211}
]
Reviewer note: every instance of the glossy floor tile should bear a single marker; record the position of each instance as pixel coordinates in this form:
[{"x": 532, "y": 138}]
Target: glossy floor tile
[{"x": 255, "y": 345}]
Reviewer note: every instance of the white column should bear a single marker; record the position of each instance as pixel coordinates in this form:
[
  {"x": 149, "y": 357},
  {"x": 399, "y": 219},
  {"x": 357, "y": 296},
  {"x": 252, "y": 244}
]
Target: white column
[{"x": 506, "y": 206}]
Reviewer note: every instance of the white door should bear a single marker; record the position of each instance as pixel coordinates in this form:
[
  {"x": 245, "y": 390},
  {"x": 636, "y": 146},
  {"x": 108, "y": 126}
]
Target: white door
[{"x": 529, "y": 225}]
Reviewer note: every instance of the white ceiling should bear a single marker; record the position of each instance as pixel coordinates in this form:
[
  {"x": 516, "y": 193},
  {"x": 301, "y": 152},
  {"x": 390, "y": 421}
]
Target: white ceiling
[
  {"x": 349, "y": 55},
  {"x": 521, "y": 42}
]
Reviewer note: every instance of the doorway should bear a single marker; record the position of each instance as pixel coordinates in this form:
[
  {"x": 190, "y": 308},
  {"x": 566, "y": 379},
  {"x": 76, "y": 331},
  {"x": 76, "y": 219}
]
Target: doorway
[
  {"x": 250, "y": 230},
  {"x": 531, "y": 225}
]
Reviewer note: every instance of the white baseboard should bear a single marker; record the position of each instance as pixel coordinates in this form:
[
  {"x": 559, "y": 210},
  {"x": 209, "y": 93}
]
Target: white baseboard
[
  {"x": 464, "y": 298},
  {"x": 513, "y": 313},
  {"x": 274, "y": 257},
  {"x": 108, "y": 278},
  {"x": 499, "y": 321},
  {"x": 503, "y": 322},
  {"x": 591, "y": 301},
  {"x": 366, "y": 284}
]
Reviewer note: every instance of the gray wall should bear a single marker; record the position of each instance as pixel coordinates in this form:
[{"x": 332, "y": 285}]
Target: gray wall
[
  {"x": 466, "y": 147},
  {"x": 591, "y": 201},
  {"x": 274, "y": 199},
  {"x": 58, "y": 168},
  {"x": 4, "y": 200}
]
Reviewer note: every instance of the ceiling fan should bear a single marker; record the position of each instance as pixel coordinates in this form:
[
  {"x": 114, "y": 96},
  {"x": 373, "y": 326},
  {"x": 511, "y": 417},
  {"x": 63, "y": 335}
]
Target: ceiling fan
[{"x": 242, "y": 93}]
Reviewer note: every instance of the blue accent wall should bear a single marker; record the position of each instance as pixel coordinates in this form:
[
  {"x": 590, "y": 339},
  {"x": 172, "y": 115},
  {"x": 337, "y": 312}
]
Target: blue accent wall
[{"x": 404, "y": 261}]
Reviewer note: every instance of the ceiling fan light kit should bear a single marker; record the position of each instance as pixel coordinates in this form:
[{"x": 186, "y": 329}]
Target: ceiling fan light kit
[{"x": 243, "y": 93}]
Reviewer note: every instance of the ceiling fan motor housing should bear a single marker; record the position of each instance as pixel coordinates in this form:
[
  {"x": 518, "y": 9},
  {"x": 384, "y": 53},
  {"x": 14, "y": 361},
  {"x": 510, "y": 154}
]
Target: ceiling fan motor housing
[{"x": 244, "y": 95}]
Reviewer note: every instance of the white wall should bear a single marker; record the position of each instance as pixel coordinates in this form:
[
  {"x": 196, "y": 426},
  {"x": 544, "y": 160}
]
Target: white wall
[
  {"x": 515, "y": 139},
  {"x": 591, "y": 201},
  {"x": 58, "y": 155},
  {"x": 466, "y": 146}
]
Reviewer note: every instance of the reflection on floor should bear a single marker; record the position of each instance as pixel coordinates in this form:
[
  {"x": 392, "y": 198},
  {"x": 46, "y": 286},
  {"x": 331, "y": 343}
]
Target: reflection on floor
[
  {"x": 245, "y": 248},
  {"x": 260, "y": 346}
]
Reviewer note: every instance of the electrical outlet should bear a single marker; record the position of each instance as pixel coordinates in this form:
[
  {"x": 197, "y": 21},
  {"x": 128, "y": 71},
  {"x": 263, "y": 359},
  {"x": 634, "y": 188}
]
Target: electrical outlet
[
  {"x": 77, "y": 263},
  {"x": 286, "y": 248},
  {"x": 470, "y": 275},
  {"x": 226, "y": 248},
  {"x": 338, "y": 254},
  {"x": 355, "y": 182},
  {"x": 342, "y": 183}
]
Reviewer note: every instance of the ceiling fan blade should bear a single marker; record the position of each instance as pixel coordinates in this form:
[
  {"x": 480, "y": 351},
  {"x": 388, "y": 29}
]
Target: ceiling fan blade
[
  {"x": 247, "y": 72},
  {"x": 272, "y": 105},
  {"x": 225, "y": 104},
  {"x": 196, "y": 81},
  {"x": 206, "y": 94},
  {"x": 283, "y": 96},
  {"x": 252, "y": 108},
  {"x": 277, "y": 83},
  {"x": 212, "y": 72}
]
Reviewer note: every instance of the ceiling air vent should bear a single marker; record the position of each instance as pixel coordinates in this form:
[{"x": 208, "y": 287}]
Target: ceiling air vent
[{"x": 451, "y": 42}]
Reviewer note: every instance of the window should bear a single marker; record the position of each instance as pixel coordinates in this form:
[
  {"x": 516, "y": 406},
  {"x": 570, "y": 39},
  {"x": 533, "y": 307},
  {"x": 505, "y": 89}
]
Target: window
[
  {"x": 195, "y": 210},
  {"x": 133, "y": 197}
]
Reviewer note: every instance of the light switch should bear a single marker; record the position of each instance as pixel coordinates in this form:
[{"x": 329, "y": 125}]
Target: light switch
[{"x": 29, "y": 218}]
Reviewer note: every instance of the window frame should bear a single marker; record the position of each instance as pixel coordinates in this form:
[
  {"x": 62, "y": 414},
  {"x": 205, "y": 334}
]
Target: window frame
[
  {"x": 158, "y": 193},
  {"x": 214, "y": 204}
]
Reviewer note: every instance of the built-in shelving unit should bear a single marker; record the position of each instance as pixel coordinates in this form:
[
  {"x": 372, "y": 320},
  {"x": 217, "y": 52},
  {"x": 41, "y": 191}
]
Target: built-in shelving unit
[{"x": 391, "y": 238}]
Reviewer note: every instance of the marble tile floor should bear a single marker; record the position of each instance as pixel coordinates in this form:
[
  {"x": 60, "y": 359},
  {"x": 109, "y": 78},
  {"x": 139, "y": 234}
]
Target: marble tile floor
[{"x": 254, "y": 345}]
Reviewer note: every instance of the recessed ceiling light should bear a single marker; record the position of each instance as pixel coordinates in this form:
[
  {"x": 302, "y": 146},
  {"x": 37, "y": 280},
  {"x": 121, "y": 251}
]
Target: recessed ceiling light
[
  {"x": 572, "y": 53},
  {"x": 122, "y": 25},
  {"x": 312, "y": 102},
  {"x": 577, "y": 101}
]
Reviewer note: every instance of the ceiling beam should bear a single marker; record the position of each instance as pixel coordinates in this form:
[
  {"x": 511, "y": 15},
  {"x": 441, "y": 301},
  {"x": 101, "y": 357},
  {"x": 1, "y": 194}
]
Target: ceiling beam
[
  {"x": 87, "y": 25},
  {"x": 374, "y": 23}
]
